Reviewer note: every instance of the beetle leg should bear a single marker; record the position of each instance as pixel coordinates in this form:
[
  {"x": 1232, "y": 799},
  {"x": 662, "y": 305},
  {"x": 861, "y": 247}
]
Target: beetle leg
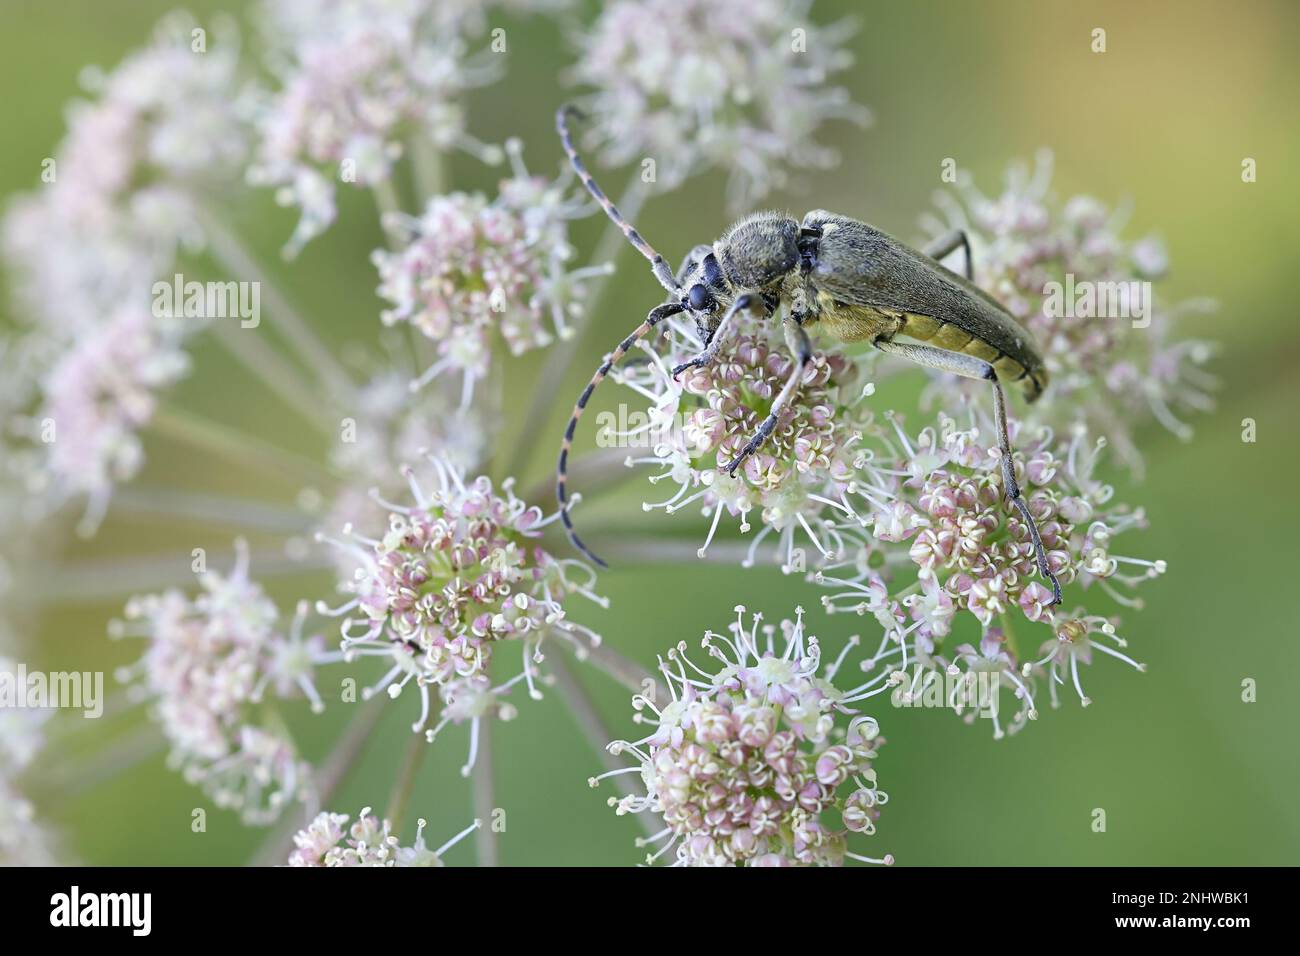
[
  {"x": 715, "y": 340},
  {"x": 801, "y": 347},
  {"x": 970, "y": 367},
  {"x": 949, "y": 243}
]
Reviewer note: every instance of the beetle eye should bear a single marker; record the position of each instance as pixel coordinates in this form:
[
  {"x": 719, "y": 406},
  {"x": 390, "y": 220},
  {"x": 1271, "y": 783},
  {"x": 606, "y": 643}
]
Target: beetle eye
[{"x": 700, "y": 298}]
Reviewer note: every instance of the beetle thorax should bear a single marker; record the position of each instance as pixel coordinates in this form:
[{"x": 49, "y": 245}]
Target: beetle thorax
[{"x": 759, "y": 252}]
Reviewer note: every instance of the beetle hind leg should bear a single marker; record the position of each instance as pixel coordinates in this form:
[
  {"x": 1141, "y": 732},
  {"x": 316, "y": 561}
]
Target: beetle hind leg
[
  {"x": 1013, "y": 487},
  {"x": 968, "y": 366},
  {"x": 947, "y": 244}
]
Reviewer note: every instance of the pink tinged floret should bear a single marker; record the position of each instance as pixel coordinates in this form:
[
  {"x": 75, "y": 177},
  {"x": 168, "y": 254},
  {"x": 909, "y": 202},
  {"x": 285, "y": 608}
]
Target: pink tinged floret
[
  {"x": 834, "y": 765},
  {"x": 987, "y": 597},
  {"x": 898, "y": 522},
  {"x": 1034, "y": 601}
]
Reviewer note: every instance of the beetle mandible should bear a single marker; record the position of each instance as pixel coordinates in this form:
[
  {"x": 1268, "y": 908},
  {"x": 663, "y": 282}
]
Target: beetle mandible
[{"x": 848, "y": 280}]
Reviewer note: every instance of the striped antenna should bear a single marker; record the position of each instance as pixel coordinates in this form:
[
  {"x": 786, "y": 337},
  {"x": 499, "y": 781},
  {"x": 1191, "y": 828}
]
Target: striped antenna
[
  {"x": 657, "y": 263},
  {"x": 657, "y": 315}
]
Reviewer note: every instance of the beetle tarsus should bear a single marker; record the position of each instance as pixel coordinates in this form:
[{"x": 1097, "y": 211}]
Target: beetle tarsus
[
  {"x": 752, "y": 445},
  {"x": 1040, "y": 556},
  {"x": 698, "y": 362}
]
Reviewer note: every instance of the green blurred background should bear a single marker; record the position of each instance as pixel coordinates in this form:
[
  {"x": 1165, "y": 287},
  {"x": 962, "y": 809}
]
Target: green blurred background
[{"x": 1187, "y": 772}]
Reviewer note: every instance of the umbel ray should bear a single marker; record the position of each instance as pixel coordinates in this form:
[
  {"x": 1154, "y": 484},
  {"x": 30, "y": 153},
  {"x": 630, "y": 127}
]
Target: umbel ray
[{"x": 847, "y": 280}]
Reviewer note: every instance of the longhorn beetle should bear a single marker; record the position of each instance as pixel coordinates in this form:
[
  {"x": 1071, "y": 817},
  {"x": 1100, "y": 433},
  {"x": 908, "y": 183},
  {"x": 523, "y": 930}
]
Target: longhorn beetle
[{"x": 847, "y": 279}]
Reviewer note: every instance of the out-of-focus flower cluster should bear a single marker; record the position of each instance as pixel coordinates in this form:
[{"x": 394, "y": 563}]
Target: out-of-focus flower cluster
[
  {"x": 357, "y": 81},
  {"x": 122, "y": 192},
  {"x": 452, "y": 577},
  {"x": 469, "y": 268},
  {"x": 161, "y": 130},
  {"x": 329, "y": 841},
  {"x": 1110, "y": 372},
  {"x": 23, "y": 840},
  {"x": 752, "y": 762},
  {"x": 21, "y": 728},
  {"x": 99, "y": 394},
  {"x": 739, "y": 85},
  {"x": 205, "y": 671}
]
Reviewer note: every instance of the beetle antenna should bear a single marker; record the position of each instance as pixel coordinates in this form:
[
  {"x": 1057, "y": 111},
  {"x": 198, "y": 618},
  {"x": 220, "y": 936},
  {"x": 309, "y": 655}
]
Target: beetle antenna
[
  {"x": 657, "y": 315},
  {"x": 657, "y": 263}
]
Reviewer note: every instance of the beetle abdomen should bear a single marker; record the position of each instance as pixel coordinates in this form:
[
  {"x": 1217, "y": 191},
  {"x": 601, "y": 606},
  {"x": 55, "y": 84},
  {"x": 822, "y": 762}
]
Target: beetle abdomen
[{"x": 953, "y": 338}]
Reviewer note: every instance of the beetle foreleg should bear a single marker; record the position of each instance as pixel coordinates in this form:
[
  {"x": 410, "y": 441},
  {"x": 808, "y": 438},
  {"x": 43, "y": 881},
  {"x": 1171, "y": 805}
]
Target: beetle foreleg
[
  {"x": 801, "y": 346},
  {"x": 949, "y": 243},
  {"x": 715, "y": 340},
  {"x": 970, "y": 367}
]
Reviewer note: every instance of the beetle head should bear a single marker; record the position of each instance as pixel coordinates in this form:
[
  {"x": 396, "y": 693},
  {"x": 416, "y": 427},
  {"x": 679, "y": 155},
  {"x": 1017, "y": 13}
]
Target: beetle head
[{"x": 705, "y": 292}]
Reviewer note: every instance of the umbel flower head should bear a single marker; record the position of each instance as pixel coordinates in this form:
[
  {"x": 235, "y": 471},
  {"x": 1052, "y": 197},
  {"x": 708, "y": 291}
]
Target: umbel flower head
[
  {"x": 739, "y": 85},
  {"x": 755, "y": 760},
  {"x": 329, "y": 841},
  {"x": 208, "y": 663},
  {"x": 969, "y": 555},
  {"x": 469, "y": 268},
  {"x": 158, "y": 132},
  {"x": 98, "y": 395},
  {"x": 1087, "y": 294},
  {"x": 357, "y": 80},
  {"x": 454, "y": 576},
  {"x": 695, "y": 427}
]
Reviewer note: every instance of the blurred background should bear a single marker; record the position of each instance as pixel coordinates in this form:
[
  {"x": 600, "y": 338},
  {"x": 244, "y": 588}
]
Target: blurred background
[{"x": 1186, "y": 771}]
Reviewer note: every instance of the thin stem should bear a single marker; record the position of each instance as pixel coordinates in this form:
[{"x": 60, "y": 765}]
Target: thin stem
[
  {"x": 275, "y": 850},
  {"x": 270, "y": 368},
  {"x": 623, "y": 670},
  {"x": 594, "y": 473},
  {"x": 427, "y": 161},
  {"x": 636, "y": 545},
  {"x": 389, "y": 206},
  {"x": 559, "y": 360},
  {"x": 247, "y": 513},
  {"x": 236, "y": 260},
  {"x": 1010, "y": 634},
  {"x": 110, "y": 760},
  {"x": 484, "y": 785},
  {"x": 91, "y": 581},
  {"x": 400, "y": 797},
  {"x": 593, "y": 729},
  {"x": 227, "y": 443},
  {"x": 116, "y": 703}
]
